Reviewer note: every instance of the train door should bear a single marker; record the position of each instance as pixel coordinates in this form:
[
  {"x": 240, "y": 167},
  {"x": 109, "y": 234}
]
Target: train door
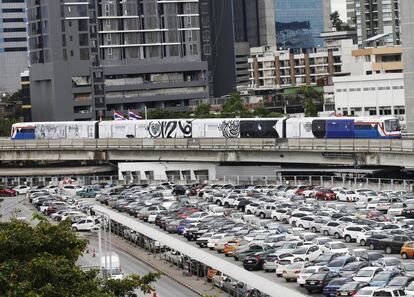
[{"x": 91, "y": 132}]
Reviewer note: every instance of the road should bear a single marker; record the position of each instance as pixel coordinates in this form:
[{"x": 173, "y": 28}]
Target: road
[{"x": 165, "y": 287}]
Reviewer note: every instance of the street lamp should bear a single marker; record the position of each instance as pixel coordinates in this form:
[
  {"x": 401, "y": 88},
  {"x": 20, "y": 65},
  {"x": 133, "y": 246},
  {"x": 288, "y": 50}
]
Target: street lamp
[{"x": 105, "y": 219}]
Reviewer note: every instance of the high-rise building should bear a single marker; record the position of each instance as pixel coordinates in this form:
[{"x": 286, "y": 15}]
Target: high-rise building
[
  {"x": 13, "y": 44},
  {"x": 254, "y": 25},
  {"x": 350, "y": 13},
  {"x": 254, "y": 22},
  {"x": 217, "y": 45},
  {"x": 90, "y": 57},
  {"x": 407, "y": 20},
  {"x": 377, "y": 22},
  {"x": 299, "y": 23}
]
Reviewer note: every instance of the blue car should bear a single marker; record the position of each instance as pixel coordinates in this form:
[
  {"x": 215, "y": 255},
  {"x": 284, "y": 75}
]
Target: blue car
[
  {"x": 181, "y": 226},
  {"x": 383, "y": 278},
  {"x": 331, "y": 288}
]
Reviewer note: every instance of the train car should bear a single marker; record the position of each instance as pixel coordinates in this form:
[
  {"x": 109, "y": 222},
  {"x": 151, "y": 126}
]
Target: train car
[
  {"x": 55, "y": 130},
  {"x": 334, "y": 127}
]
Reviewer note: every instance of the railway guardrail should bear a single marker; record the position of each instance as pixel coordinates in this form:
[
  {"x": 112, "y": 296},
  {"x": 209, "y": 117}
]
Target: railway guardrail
[{"x": 344, "y": 145}]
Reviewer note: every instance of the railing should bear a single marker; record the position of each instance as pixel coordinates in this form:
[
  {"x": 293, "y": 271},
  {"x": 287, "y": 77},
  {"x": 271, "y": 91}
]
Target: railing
[
  {"x": 255, "y": 144},
  {"x": 376, "y": 184}
]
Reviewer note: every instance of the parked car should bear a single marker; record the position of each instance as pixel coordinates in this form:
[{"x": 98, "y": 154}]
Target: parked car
[
  {"x": 350, "y": 288},
  {"x": 6, "y": 192},
  {"x": 317, "y": 281}
]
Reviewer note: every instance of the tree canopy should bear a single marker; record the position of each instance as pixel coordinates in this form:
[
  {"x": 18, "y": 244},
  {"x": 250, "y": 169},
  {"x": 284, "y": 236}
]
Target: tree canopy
[{"x": 40, "y": 261}]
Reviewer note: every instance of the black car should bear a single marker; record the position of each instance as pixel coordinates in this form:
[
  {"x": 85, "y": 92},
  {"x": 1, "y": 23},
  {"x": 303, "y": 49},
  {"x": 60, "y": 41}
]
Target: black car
[
  {"x": 400, "y": 282},
  {"x": 317, "y": 281},
  {"x": 242, "y": 205},
  {"x": 325, "y": 258},
  {"x": 373, "y": 240},
  {"x": 353, "y": 267},
  {"x": 408, "y": 211},
  {"x": 350, "y": 288}
]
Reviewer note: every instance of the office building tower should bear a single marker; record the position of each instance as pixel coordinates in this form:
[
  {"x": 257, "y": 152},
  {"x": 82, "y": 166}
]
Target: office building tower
[
  {"x": 377, "y": 22},
  {"x": 13, "y": 44},
  {"x": 407, "y": 21},
  {"x": 91, "y": 57},
  {"x": 254, "y": 25},
  {"x": 299, "y": 23},
  {"x": 350, "y": 13}
]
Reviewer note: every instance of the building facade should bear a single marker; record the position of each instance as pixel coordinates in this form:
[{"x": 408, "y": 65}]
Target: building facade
[
  {"x": 407, "y": 20},
  {"x": 350, "y": 13},
  {"x": 254, "y": 25},
  {"x": 299, "y": 23},
  {"x": 91, "y": 57},
  {"x": 379, "y": 60},
  {"x": 371, "y": 95},
  {"x": 273, "y": 69},
  {"x": 13, "y": 44},
  {"x": 378, "y": 22}
]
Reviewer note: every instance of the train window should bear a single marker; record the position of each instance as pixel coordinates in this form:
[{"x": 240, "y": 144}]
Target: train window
[
  {"x": 365, "y": 127},
  {"x": 392, "y": 125}
]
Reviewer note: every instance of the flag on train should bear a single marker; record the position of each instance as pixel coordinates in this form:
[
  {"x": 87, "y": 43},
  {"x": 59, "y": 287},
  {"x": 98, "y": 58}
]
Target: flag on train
[
  {"x": 118, "y": 117},
  {"x": 133, "y": 116}
]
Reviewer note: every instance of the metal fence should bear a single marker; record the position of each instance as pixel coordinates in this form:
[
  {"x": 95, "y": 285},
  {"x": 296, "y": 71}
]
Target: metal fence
[{"x": 376, "y": 184}]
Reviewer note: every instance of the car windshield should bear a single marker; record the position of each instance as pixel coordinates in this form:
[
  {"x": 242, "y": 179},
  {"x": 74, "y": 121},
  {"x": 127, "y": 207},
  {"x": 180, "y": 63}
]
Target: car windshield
[
  {"x": 309, "y": 270},
  {"x": 398, "y": 281},
  {"x": 288, "y": 246},
  {"x": 392, "y": 262},
  {"x": 365, "y": 292},
  {"x": 338, "y": 282},
  {"x": 338, "y": 245},
  {"x": 336, "y": 263},
  {"x": 365, "y": 273},
  {"x": 409, "y": 267},
  {"x": 349, "y": 286},
  {"x": 351, "y": 266},
  {"x": 323, "y": 240},
  {"x": 410, "y": 287},
  {"x": 300, "y": 251},
  {"x": 295, "y": 266},
  {"x": 381, "y": 277},
  {"x": 323, "y": 258},
  {"x": 317, "y": 276},
  {"x": 350, "y": 192}
]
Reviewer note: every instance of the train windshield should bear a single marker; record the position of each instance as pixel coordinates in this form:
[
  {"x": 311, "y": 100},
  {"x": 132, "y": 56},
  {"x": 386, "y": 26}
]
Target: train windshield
[{"x": 392, "y": 125}]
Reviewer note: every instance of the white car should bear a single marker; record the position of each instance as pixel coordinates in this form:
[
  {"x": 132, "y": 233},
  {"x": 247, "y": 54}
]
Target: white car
[
  {"x": 307, "y": 253},
  {"x": 395, "y": 209},
  {"x": 333, "y": 228},
  {"x": 20, "y": 190},
  {"x": 307, "y": 272},
  {"x": 211, "y": 243},
  {"x": 335, "y": 247},
  {"x": 389, "y": 292},
  {"x": 306, "y": 222},
  {"x": 283, "y": 263},
  {"x": 366, "y": 274},
  {"x": 351, "y": 233},
  {"x": 388, "y": 263},
  {"x": 366, "y": 292},
  {"x": 347, "y": 195},
  {"x": 86, "y": 224}
]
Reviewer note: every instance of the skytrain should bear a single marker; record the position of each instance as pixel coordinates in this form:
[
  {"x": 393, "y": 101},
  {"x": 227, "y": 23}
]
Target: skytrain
[{"x": 332, "y": 127}]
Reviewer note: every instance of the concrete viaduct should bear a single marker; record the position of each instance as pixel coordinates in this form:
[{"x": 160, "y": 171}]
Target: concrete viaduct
[{"x": 353, "y": 152}]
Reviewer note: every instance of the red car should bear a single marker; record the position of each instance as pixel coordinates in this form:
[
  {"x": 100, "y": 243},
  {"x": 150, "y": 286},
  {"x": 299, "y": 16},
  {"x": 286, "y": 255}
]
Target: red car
[
  {"x": 325, "y": 194},
  {"x": 7, "y": 192}
]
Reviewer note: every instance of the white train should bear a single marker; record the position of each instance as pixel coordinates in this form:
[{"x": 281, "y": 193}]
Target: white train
[{"x": 334, "y": 127}]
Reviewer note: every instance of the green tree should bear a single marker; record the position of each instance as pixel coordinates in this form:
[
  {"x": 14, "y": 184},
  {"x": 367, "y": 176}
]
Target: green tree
[
  {"x": 234, "y": 107},
  {"x": 5, "y": 126},
  {"x": 40, "y": 261},
  {"x": 159, "y": 113},
  {"x": 310, "y": 108},
  {"x": 336, "y": 21},
  {"x": 202, "y": 111}
]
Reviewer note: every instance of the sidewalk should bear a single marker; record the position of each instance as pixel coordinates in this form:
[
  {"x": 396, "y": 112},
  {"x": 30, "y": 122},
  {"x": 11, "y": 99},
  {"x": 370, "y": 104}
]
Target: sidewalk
[{"x": 199, "y": 286}]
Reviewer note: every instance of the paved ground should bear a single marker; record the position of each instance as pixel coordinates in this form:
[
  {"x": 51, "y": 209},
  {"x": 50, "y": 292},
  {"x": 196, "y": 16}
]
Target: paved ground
[{"x": 133, "y": 260}]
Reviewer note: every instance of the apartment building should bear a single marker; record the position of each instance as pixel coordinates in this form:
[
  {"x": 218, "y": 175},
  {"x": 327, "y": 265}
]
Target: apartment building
[
  {"x": 379, "y": 60},
  {"x": 90, "y": 57},
  {"x": 273, "y": 69},
  {"x": 378, "y": 22},
  {"x": 13, "y": 44}
]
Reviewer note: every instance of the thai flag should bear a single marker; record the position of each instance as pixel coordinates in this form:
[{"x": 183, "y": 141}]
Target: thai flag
[
  {"x": 118, "y": 117},
  {"x": 133, "y": 116}
]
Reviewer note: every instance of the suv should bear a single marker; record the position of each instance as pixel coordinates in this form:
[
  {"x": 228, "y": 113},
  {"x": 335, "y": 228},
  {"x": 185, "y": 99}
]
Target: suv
[
  {"x": 351, "y": 233},
  {"x": 265, "y": 211},
  {"x": 325, "y": 194}
]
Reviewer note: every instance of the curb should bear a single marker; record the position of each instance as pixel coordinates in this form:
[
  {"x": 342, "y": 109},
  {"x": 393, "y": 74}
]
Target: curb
[{"x": 129, "y": 252}]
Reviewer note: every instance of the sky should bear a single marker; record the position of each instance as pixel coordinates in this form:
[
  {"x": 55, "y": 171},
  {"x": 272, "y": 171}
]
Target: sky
[{"x": 340, "y": 6}]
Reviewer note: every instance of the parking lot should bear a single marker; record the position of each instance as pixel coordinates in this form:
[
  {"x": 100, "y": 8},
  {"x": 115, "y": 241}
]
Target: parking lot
[{"x": 287, "y": 230}]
